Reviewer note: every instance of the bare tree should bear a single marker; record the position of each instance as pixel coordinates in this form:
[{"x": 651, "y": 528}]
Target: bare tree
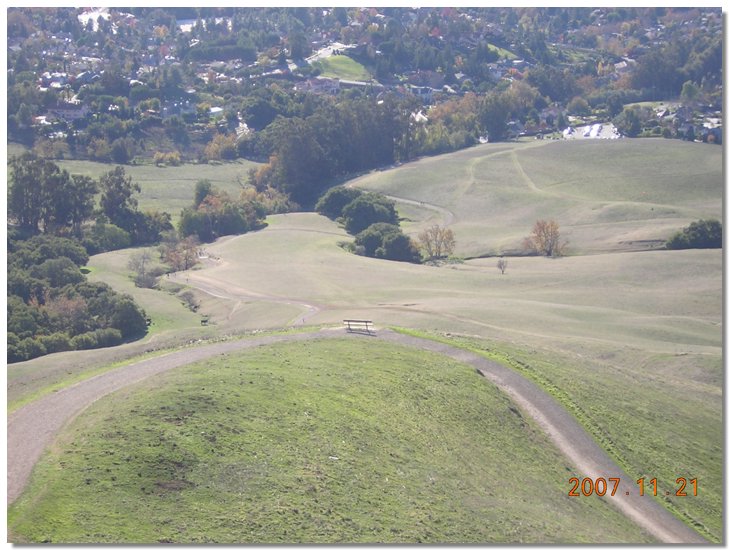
[
  {"x": 188, "y": 250},
  {"x": 181, "y": 255},
  {"x": 139, "y": 263},
  {"x": 501, "y": 264},
  {"x": 437, "y": 241},
  {"x": 545, "y": 239}
]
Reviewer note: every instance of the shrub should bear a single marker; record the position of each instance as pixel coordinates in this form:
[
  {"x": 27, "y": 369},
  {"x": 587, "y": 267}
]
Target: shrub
[
  {"x": 56, "y": 342},
  {"x": 105, "y": 237},
  {"x": 87, "y": 340},
  {"x": 106, "y": 337},
  {"x": 30, "y": 348}
]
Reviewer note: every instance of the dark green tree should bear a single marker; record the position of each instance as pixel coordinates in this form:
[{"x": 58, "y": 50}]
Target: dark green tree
[
  {"x": 494, "y": 115},
  {"x": 628, "y": 123},
  {"x": 699, "y": 234},
  {"x": 371, "y": 238},
  {"x": 367, "y": 209},
  {"x": 117, "y": 201},
  {"x": 203, "y": 188},
  {"x": 333, "y": 201},
  {"x": 27, "y": 203},
  {"x": 80, "y": 201}
]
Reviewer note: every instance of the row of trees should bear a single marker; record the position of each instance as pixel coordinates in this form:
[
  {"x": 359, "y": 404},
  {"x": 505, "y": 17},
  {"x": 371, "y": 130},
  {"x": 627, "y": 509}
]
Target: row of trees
[
  {"x": 337, "y": 138},
  {"x": 373, "y": 221},
  {"x": 44, "y": 198}
]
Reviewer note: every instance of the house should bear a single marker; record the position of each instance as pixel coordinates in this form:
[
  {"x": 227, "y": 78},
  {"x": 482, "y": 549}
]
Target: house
[
  {"x": 423, "y": 92},
  {"x": 320, "y": 85},
  {"x": 68, "y": 111},
  {"x": 514, "y": 129}
]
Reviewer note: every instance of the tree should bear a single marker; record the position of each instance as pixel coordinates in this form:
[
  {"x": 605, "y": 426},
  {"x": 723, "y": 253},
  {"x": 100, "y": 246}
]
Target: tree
[
  {"x": 398, "y": 247},
  {"x": 502, "y": 264},
  {"x": 188, "y": 249},
  {"x": 298, "y": 45},
  {"x": 689, "y": 93},
  {"x": 80, "y": 201},
  {"x": 700, "y": 234},
  {"x": 203, "y": 188},
  {"x": 117, "y": 202},
  {"x": 333, "y": 201},
  {"x": 578, "y": 106},
  {"x": 438, "y": 242},
  {"x": 128, "y": 318},
  {"x": 139, "y": 263},
  {"x": 628, "y": 122},
  {"x": 28, "y": 191},
  {"x": 545, "y": 239},
  {"x": 387, "y": 241},
  {"x": 370, "y": 239},
  {"x": 367, "y": 209},
  {"x": 493, "y": 115}
]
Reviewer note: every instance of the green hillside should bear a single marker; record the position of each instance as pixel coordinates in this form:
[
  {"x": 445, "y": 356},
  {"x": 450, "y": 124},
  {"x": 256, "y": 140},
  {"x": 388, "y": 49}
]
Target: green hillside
[
  {"x": 323, "y": 442},
  {"x": 607, "y": 195}
]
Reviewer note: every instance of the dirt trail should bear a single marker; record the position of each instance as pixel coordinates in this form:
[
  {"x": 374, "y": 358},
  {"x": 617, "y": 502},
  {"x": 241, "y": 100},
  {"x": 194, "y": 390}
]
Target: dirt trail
[{"x": 32, "y": 428}]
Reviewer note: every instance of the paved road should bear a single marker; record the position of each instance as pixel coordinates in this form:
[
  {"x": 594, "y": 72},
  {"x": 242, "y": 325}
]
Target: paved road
[{"x": 32, "y": 428}]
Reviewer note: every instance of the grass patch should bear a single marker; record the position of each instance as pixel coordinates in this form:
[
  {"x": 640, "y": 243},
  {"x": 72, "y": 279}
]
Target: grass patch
[
  {"x": 342, "y": 66},
  {"x": 317, "y": 442},
  {"x": 630, "y": 415}
]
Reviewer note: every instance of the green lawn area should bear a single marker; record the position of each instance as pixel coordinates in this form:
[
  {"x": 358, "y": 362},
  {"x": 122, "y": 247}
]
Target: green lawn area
[
  {"x": 336, "y": 441},
  {"x": 342, "y": 66}
]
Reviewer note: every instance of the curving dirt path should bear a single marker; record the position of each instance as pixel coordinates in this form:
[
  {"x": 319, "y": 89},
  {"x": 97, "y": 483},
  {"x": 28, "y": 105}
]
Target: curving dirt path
[
  {"x": 34, "y": 427},
  {"x": 448, "y": 216}
]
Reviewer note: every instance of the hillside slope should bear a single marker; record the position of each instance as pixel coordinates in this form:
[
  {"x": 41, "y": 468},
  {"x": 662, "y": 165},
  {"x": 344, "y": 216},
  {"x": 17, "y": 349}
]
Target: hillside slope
[{"x": 607, "y": 195}]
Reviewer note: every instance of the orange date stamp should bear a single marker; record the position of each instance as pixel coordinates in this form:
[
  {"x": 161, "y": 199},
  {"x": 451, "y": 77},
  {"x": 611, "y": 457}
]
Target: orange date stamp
[{"x": 601, "y": 487}]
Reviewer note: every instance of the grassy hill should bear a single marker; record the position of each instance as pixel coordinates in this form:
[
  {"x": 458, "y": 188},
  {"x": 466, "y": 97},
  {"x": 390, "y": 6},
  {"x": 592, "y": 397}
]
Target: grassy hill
[
  {"x": 326, "y": 442},
  {"x": 607, "y": 195}
]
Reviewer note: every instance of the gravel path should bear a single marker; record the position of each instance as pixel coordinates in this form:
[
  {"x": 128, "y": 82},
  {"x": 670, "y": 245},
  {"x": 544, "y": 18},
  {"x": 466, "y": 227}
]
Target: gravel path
[{"x": 32, "y": 428}]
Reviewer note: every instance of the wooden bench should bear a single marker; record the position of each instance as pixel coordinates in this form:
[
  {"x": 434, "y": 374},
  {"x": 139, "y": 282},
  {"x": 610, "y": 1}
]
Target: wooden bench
[{"x": 358, "y": 325}]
